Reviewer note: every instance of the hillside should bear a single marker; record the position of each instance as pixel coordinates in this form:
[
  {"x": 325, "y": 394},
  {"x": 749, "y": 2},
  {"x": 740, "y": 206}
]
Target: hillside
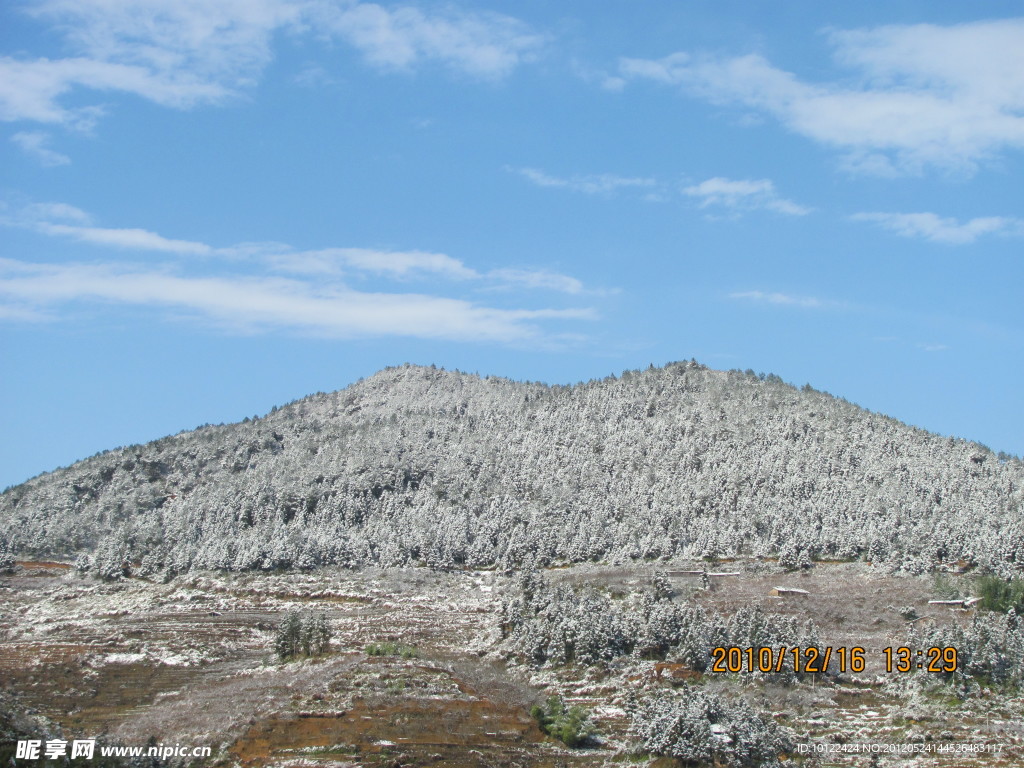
[{"x": 418, "y": 465}]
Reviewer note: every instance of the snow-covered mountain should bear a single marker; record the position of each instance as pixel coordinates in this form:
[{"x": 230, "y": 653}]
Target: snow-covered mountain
[{"x": 419, "y": 465}]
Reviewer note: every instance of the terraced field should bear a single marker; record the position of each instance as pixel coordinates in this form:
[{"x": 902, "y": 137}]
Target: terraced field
[{"x": 190, "y": 662}]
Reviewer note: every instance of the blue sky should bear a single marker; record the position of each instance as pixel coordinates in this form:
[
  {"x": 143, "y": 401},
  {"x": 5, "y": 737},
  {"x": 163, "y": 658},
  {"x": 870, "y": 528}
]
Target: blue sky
[{"x": 207, "y": 209}]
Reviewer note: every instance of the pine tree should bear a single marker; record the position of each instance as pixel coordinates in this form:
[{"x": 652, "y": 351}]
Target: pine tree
[
  {"x": 288, "y": 637},
  {"x": 6, "y": 562},
  {"x": 297, "y": 635}
]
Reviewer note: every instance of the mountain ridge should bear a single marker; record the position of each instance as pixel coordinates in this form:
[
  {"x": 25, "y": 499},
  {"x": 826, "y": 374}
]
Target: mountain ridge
[{"x": 421, "y": 465}]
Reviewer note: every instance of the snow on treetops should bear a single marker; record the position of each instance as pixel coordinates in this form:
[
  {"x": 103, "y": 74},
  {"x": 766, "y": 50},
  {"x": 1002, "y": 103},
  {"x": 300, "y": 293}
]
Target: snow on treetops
[{"x": 425, "y": 466}]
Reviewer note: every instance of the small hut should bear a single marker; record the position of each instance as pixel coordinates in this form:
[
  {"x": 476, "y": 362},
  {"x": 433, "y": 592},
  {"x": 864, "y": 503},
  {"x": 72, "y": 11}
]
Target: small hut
[{"x": 788, "y": 592}]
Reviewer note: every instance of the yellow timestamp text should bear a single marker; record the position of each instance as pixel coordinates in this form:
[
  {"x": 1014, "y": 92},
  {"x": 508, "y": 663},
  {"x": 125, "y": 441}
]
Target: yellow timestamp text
[{"x": 828, "y": 659}]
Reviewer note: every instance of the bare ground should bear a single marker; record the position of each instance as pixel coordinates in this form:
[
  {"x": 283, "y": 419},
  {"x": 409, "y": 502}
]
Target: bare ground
[{"x": 190, "y": 662}]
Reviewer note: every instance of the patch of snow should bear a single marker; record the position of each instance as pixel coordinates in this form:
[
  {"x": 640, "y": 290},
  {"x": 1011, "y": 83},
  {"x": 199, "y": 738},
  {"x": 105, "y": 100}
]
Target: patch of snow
[{"x": 119, "y": 658}]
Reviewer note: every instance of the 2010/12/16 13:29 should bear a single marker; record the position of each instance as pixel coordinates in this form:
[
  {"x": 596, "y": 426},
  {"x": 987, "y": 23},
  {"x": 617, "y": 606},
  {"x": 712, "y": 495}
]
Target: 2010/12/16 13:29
[{"x": 813, "y": 660}]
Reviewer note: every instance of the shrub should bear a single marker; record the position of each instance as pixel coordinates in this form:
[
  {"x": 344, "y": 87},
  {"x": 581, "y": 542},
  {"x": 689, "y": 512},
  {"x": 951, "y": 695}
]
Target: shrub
[
  {"x": 990, "y": 649},
  {"x": 392, "y": 649},
  {"x": 558, "y": 625},
  {"x": 570, "y": 726},
  {"x": 661, "y": 587},
  {"x": 699, "y": 727},
  {"x": 1001, "y": 595},
  {"x": 944, "y": 587}
]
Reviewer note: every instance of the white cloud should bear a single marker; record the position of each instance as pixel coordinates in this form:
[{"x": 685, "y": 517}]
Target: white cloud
[
  {"x": 927, "y": 95},
  {"x": 942, "y": 230},
  {"x": 409, "y": 264},
  {"x": 133, "y": 239},
  {"x": 51, "y": 219},
  {"x": 51, "y": 212},
  {"x": 250, "y": 304},
  {"x": 393, "y": 263},
  {"x": 34, "y": 143},
  {"x": 785, "y": 299},
  {"x": 592, "y": 184},
  {"x": 671, "y": 70},
  {"x": 314, "y": 76},
  {"x": 613, "y": 83},
  {"x": 737, "y": 195},
  {"x": 245, "y": 294},
  {"x": 21, "y": 314},
  {"x": 404, "y": 263},
  {"x": 181, "y": 53},
  {"x": 223, "y": 41},
  {"x": 481, "y": 44},
  {"x": 30, "y": 90},
  {"x": 743, "y": 195},
  {"x": 539, "y": 279}
]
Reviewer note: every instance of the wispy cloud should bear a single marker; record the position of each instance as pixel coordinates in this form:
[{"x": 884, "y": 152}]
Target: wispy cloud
[
  {"x": 53, "y": 219},
  {"x": 22, "y": 314},
  {"x": 736, "y": 195},
  {"x": 746, "y": 194},
  {"x": 63, "y": 220},
  {"x": 181, "y": 53},
  {"x": 253, "y": 304},
  {"x": 923, "y": 346},
  {"x": 938, "y": 229},
  {"x": 592, "y": 184},
  {"x": 35, "y": 143},
  {"x": 314, "y": 76},
  {"x": 397, "y": 264},
  {"x": 31, "y": 90},
  {"x": 130, "y": 239},
  {"x": 539, "y": 279},
  {"x": 48, "y": 212},
  {"x": 481, "y": 44},
  {"x": 416, "y": 264},
  {"x": 258, "y": 287},
  {"x": 927, "y": 95},
  {"x": 785, "y": 299}
]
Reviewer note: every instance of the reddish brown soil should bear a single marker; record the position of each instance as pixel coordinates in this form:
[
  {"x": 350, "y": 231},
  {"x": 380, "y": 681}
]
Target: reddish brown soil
[
  {"x": 30, "y": 565},
  {"x": 438, "y": 731}
]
